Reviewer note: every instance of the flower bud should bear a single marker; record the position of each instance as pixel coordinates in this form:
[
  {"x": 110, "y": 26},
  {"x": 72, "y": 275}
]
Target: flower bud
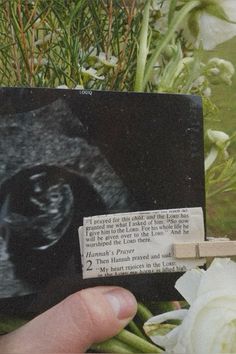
[
  {"x": 207, "y": 92},
  {"x": 218, "y": 137},
  {"x": 219, "y": 70},
  {"x": 199, "y": 81},
  {"x": 214, "y": 71}
]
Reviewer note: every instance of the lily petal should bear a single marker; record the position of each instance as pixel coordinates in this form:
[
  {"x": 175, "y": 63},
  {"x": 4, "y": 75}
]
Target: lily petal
[
  {"x": 220, "y": 275},
  {"x": 188, "y": 284},
  {"x": 211, "y": 29}
]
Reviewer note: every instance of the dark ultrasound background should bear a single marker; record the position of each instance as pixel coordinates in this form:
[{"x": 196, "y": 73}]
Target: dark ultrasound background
[{"x": 63, "y": 156}]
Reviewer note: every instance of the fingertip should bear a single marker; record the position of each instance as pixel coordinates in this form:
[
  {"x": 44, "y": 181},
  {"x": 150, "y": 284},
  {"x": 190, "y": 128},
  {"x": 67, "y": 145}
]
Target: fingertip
[{"x": 122, "y": 302}]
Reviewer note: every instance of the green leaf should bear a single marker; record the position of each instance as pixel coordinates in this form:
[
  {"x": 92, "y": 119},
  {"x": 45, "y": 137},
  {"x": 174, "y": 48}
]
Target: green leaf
[
  {"x": 217, "y": 11},
  {"x": 193, "y": 23}
]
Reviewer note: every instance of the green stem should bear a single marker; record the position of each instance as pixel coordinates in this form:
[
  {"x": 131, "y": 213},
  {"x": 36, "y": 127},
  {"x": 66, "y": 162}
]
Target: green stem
[
  {"x": 220, "y": 189},
  {"x": 141, "y": 345},
  {"x": 171, "y": 10},
  {"x": 143, "y": 49},
  {"x": 176, "y": 21},
  {"x": 113, "y": 345},
  {"x": 135, "y": 329},
  {"x": 143, "y": 312}
]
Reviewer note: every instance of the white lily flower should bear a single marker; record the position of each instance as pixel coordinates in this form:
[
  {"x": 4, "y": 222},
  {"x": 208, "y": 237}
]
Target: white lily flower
[
  {"x": 209, "y": 326},
  {"x": 211, "y": 23},
  {"x": 218, "y": 137}
]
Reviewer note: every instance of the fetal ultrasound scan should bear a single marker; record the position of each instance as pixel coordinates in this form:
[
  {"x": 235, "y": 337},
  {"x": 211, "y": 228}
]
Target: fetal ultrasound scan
[{"x": 70, "y": 154}]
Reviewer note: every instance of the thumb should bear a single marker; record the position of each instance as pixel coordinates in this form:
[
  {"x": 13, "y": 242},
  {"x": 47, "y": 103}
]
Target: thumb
[{"x": 86, "y": 317}]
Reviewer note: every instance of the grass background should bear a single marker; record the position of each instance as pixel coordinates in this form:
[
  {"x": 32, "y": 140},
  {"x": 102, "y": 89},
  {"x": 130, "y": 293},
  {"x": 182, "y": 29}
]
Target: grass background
[{"x": 221, "y": 209}]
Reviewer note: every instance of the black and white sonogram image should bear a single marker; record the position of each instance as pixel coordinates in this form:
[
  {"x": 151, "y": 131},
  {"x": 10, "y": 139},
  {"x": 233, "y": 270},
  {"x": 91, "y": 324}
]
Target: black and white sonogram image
[
  {"x": 50, "y": 180},
  {"x": 68, "y": 154}
]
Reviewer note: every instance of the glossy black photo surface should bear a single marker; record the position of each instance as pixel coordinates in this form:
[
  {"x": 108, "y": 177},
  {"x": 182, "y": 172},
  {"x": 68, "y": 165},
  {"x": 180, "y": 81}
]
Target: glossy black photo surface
[{"x": 68, "y": 154}]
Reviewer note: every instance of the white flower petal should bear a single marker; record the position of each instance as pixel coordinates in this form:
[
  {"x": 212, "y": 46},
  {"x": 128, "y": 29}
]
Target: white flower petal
[
  {"x": 218, "y": 137},
  {"x": 226, "y": 338},
  {"x": 197, "y": 331},
  {"x": 209, "y": 326},
  {"x": 229, "y": 7},
  {"x": 110, "y": 61},
  {"x": 214, "y": 31},
  {"x": 169, "y": 340},
  {"x": 211, "y": 157},
  {"x": 91, "y": 73},
  {"x": 220, "y": 275},
  {"x": 200, "y": 329},
  {"x": 188, "y": 284},
  {"x": 171, "y": 315}
]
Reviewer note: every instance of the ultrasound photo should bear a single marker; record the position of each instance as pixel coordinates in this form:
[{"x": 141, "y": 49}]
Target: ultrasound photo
[{"x": 69, "y": 154}]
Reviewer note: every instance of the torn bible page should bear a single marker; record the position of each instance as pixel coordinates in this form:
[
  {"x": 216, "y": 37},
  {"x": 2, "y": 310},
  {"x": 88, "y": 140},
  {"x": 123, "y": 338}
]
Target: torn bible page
[{"x": 138, "y": 242}]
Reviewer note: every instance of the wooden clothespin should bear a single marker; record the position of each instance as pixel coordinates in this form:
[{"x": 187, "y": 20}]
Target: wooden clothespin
[{"x": 214, "y": 247}]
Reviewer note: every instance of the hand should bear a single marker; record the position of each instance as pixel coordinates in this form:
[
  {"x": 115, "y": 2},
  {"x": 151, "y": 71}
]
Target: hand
[{"x": 86, "y": 317}]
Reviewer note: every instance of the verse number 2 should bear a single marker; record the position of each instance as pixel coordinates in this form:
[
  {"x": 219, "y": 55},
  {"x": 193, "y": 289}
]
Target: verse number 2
[{"x": 89, "y": 265}]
